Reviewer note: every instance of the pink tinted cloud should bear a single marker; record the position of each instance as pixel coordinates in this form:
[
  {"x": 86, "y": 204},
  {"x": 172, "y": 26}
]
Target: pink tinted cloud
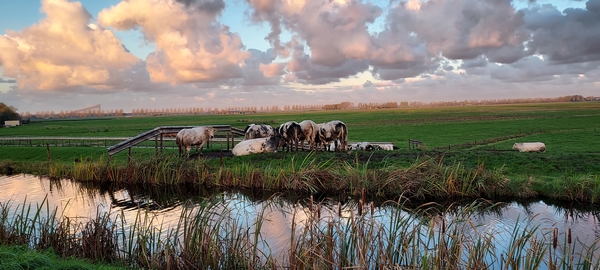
[
  {"x": 191, "y": 45},
  {"x": 63, "y": 50},
  {"x": 336, "y": 32}
]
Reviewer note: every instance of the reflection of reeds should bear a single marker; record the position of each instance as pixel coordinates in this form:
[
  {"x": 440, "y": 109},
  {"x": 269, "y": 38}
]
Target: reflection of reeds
[{"x": 207, "y": 236}]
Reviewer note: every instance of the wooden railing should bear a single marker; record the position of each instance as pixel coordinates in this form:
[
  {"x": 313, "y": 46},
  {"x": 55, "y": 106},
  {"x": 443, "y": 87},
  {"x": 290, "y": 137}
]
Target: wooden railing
[
  {"x": 414, "y": 144},
  {"x": 61, "y": 141},
  {"x": 159, "y": 132}
]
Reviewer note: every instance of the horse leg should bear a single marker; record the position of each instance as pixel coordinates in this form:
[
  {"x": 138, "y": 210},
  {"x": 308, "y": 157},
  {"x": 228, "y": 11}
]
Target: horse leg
[{"x": 201, "y": 145}]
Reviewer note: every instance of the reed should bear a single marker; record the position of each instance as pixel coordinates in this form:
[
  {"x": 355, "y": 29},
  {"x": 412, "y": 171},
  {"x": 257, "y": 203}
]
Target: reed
[
  {"x": 210, "y": 235},
  {"x": 426, "y": 178},
  {"x": 582, "y": 188}
]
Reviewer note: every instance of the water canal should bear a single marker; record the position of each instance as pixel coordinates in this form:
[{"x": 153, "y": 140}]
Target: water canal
[{"x": 284, "y": 218}]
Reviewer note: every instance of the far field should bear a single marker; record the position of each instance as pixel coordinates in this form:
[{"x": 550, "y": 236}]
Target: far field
[{"x": 471, "y": 135}]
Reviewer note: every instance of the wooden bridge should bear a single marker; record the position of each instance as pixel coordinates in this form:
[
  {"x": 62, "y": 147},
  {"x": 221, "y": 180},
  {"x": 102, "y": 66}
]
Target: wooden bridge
[{"x": 159, "y": 133}]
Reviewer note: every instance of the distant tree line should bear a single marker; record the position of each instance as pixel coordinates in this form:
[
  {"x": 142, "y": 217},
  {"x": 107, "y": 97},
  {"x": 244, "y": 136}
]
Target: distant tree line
[
  {"x": 265, "y": 109},
  {"x": 73, "y": 114}
]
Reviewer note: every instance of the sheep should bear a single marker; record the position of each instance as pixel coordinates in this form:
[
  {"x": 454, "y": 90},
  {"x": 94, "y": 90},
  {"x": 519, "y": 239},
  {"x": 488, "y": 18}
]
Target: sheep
[{"x": 530, "y": 147}]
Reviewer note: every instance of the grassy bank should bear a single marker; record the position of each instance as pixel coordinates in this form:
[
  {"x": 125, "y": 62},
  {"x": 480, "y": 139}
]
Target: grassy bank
[
  {"x": 207, "y": 237},
  {"x": 417, "y": 176},
  {"x": 20, "y": 257}
]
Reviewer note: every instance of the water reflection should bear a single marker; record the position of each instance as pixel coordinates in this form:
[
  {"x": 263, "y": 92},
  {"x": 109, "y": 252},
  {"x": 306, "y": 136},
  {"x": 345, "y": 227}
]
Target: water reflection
[{"x": 284, "y": 215}]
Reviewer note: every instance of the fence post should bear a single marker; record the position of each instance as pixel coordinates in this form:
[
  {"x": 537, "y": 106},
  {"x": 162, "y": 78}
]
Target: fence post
[
  {"x": 227, "y": 138},
  {"x": 48, "y": 152},
  {"x": 155, "y": 145},
  {"x": 161, "y": 143}
]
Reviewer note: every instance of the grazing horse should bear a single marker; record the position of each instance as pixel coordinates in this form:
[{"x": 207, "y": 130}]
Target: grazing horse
[
  {"x": 198, "y": 136},
  {"x": 334, "y": 131},
  {"x": 253, "y": 131},
  {"x": 291, "y": 133},
  {"x": 309, "y": 131}
]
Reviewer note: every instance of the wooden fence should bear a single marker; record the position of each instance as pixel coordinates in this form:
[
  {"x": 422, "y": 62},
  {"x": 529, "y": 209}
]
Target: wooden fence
[{"x": 414, "y": 144}]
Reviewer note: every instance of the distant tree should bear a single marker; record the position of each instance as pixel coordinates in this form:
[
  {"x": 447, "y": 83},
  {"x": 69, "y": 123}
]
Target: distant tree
[
  {"x": 577, "y": 98},
  {"x": 8, "y": 113}
]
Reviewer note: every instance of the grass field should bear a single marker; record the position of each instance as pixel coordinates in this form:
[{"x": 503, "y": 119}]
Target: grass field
[
  {"x": 19, "y": 257},
  {"x": 437, "y": 127},
  {"x": 470, "y": 135}
]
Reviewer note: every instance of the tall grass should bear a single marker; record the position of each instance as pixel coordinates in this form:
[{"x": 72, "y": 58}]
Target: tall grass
[
  {"x": 427, "y": 177},
  {"x": 20, "y": 257},
  {"x": 209, "y": 236}
]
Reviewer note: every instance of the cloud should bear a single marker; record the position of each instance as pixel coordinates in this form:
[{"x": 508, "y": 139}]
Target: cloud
[
  {"x": 211, "y": 6},
  {"x": 328, "y": 35},
  {"x": 7, "y": 81},
  {"x": 535, "y": 68},
  {"x": 192, "y": 46},
  {"x": 461, "y": 29},
  {"x": 335, "y": 31},
  {"x": 258, "y": 69},
  {"x": 474, "y": 63},
  {"x": 568, "y": 37},
  {"x": 62, "y": 51},
  {"x": 319, "y": 48}
]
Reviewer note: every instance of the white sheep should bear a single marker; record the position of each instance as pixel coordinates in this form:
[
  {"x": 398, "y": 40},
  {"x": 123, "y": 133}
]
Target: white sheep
[{"x": 530, "y": 147}]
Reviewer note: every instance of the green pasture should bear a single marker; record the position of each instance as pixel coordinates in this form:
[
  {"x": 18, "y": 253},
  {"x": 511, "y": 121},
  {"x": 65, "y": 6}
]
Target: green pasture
[
  {"x": 435, "y": 126},
  {"x": 19, "y": 257},
  {"x": 470, "y": 135}
]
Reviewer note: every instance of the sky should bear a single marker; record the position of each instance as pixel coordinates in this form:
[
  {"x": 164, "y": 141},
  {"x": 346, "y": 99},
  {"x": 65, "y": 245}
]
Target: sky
[{"x": 60, "y": 55}]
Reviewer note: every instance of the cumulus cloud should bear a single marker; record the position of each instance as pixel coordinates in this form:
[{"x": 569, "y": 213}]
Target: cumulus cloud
[
  {"x": 315, "y": 45},
  {"x": 335, "y": 31},
  {"x": 192, "y": 46},
  {"x": 461, "y": 29},
  {"x": 63, "y": 50},
  {"x": 259, "y": 69},
  {"x": 565, "y": 37},
  {"x": 7, "y": 80},
  {"x": 212, "y": 6},
  {"x": 415, "y": 38},
  {"x": 537, "y": 69},
  {"x": 474, "y": 63}
]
